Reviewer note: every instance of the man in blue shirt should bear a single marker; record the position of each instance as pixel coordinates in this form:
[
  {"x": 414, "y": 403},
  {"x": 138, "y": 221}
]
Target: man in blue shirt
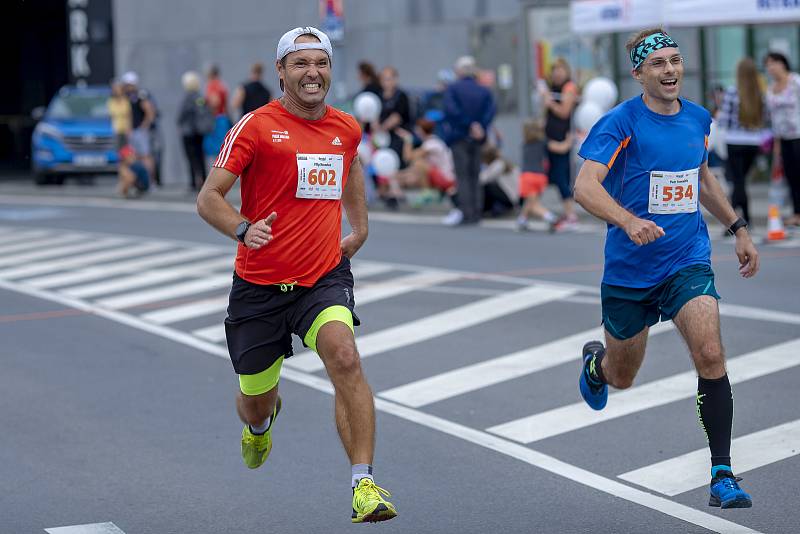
[
  {"x": 468, "y": 111},
  {"x": 645, "y": 172}
]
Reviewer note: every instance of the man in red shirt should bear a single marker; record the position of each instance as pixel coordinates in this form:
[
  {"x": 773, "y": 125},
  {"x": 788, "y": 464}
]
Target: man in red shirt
[{"x": 297, "y": 159}]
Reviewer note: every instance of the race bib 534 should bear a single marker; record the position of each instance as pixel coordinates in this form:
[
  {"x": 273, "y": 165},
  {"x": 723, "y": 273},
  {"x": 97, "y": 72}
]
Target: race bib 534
[{"x": 673, "y": 192}]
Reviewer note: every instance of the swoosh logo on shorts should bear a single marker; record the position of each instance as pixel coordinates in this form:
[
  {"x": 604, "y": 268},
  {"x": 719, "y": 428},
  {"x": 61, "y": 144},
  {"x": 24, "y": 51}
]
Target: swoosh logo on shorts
[{"x": 695, "y": 287}]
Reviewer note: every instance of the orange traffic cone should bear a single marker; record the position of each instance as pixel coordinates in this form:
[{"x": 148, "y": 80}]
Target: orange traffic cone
[{"x": 775, "y": 229}]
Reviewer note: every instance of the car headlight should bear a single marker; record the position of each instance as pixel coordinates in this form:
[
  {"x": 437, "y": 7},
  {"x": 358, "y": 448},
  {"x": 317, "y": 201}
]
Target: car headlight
[{"x": 49, "y": 130}]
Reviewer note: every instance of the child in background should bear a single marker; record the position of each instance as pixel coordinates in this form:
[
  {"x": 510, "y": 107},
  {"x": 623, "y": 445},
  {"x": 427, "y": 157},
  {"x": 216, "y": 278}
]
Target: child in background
[
  {"x": 430, "y": 166},
  {"x": 499, "y": 179},
  {"x": 533, "y": 179},
  {"x": 133, "y": 177}
]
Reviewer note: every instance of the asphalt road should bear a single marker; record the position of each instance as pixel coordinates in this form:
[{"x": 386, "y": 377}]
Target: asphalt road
[{"x": 116, "y": 394}]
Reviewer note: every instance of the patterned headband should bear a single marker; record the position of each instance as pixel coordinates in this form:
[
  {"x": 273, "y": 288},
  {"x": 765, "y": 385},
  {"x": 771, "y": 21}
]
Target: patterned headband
[{"x": 648, "y": 45}]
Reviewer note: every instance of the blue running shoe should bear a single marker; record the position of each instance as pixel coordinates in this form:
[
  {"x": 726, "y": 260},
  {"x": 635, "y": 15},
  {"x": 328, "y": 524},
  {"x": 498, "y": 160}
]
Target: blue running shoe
[
  {"x": 726, "y": 493},
  {"x": 594, "y": 393}
]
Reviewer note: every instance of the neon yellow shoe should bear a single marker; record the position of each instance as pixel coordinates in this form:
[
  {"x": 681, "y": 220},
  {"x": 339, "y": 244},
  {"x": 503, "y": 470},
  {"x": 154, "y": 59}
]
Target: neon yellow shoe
[
  {"x": 255, "y": 448},
  {"x": 369, "y": 506}
]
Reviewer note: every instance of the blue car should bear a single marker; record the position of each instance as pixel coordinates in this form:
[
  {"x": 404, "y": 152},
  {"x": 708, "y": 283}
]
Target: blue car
[{"x": 74, "y": 136}]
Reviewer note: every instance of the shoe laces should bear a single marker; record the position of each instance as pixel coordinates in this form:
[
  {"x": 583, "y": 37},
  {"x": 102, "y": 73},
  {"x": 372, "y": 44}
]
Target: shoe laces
[
  {"x": 373, "y": 490},
  {"x": 731, "y": 483}
]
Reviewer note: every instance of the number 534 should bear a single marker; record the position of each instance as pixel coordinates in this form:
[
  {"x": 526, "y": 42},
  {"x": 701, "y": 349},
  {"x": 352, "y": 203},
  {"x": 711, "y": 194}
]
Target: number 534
[{"x": 677, "y": 193}]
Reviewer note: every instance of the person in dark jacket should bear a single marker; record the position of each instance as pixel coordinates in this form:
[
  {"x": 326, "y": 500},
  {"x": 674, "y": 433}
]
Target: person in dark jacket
[
  {"x": 195, "y": 119},
  {"x": 252, "y": 94},
  {"x": 469, "y": 111}
]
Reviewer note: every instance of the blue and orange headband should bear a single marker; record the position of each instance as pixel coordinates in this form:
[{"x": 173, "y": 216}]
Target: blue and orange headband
[{"x": 648, "y": 45}]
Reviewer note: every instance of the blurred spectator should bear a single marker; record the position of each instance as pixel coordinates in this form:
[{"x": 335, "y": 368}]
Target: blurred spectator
[
  {"x": 533, "y": 178},
  {"x": 742, "y": 117},
  {"x": 216, "y": 92},
  {"x": 369, "y": 78},
  {"x": 396, "y": 110},
  {"x": 217, "y": 99},
  {"x": 195, "y": 119},
  {"x": 783, "y": 100},
  {"x": 143, "y": 114},
  {"x": 119, "y": 108},
  {"x": 430, "y": 166},
  {"x": 469, "y": 111},
  {"x": 499, "y": 179},
  {"x": 559, "y": 99},
  {"x": 252, "y": 94},
  {"x": 133, "y": 175}
]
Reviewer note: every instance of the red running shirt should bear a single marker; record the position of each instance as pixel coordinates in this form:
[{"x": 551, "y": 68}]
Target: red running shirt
[{"x": 298, "y": 169}]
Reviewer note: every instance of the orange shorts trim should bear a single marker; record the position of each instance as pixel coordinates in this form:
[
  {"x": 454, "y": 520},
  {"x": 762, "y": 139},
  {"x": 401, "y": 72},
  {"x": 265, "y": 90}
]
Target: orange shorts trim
[{"x": 532, "y": 183}]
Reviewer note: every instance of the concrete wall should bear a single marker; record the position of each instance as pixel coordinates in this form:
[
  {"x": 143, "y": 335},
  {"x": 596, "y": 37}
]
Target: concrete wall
[{"x": 161, "y": 40}]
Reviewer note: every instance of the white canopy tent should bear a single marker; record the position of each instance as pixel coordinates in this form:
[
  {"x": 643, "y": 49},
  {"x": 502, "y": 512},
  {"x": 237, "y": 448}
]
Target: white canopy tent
[{"x": 606, "y": 16}]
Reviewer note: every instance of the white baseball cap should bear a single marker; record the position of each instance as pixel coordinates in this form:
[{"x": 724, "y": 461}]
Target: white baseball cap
[
  {"x": 287, "y": 44},
  {"x": 130, "y": 78}
]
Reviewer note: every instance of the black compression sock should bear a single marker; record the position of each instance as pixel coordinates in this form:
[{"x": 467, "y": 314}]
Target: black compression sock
[
  {"x": 715, "y": 413},
  {"x": 596, "y": 371}
]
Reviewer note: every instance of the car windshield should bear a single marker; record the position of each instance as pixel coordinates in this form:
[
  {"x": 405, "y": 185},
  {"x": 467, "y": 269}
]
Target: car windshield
[{"x": 74, "y": 106}]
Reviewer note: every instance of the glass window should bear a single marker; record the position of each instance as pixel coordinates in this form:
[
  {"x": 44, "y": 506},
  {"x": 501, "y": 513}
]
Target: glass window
[{"x": 79, "y": 106}]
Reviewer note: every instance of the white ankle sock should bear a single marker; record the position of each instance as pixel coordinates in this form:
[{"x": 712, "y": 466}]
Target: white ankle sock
[{"x": 360, "y": 471}]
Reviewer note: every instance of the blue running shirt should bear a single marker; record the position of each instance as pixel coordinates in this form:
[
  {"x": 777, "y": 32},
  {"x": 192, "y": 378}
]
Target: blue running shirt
[{"x": 643, "y": 148}]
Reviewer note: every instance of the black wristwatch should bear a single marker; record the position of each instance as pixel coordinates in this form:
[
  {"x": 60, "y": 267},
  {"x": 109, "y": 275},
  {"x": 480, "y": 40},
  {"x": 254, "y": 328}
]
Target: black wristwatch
[
  {"x": 241, "y": 230},
  {"x": 739, "y": 223}
]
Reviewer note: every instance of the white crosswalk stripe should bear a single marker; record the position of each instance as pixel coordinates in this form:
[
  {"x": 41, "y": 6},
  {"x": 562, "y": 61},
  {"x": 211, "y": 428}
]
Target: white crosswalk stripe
[
  {"x": 40, "y": 268},
  {"x": 490, "y": 372},
  {"x": 9, "y": 251},
  {"x": 107, "y": 270},
  {"x": 442, "y": 323},
  {"x": 689, "y": 471},
  {"x": 197, "y": 308},
  {"x": 137, "y": 298},
  {"x": 650, "y": 395},
  {"x": 81, "y": 245},
  {"x": 10, "y": 236},
  {"x": 149, "y": 278}
]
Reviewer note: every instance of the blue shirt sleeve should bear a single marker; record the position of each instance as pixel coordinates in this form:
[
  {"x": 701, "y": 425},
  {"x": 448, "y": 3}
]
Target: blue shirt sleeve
[{"x": 607, "y": 138}]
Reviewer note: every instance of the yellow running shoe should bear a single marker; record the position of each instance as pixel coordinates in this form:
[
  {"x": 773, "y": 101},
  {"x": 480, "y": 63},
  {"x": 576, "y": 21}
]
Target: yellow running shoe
[
  {"x": 369, "y": 506},
  {"x": 255, "y": 448}
]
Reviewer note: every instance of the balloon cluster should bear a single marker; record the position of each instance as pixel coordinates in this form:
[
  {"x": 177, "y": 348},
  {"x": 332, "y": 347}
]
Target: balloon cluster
[
  {"x": 384, "y": 161},
  {"x": 598, "y": 97}
]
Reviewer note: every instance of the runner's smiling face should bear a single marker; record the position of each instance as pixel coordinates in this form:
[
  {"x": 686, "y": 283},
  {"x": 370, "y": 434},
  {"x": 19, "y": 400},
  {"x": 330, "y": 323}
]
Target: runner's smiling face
[
  {"x": 661, "y": 74},
  {"x": 306, "y": 74}
]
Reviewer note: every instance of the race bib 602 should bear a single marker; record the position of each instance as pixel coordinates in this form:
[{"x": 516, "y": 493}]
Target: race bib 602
[{"x": 319, "y": 176}]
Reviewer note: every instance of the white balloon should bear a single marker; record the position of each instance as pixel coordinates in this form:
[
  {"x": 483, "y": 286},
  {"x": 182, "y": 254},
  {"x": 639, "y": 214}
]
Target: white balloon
[
  {"x": 381, "y": 139},
  {"x": 587, "y": 114},
  {"x": 367, "y": 107},
  {"x": 602, "y": 92},
  {"x": 364, "y": 152},
  {"x": 716, "y": 140},
  {"x": 385, "y": 162}
]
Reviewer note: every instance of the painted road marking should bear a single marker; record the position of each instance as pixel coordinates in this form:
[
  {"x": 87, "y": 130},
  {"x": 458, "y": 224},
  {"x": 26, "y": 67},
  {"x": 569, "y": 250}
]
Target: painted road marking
[
  {"x": 149, "y": 278},
  {"x": 650, "y": 395},
  {"x": 10, "y": 236},
  {"x": 689, "y": 471},
  {"x": 369, "y": 268},
  {"x": 38, "y": 244},
  {"x": 87, "y": 244},
  {"x": 104, "y": 271},
  {"x": 198, "y": 308},
  {"x": 490, "y": 372},
  {"x": 136, "y": 298},
  {"x": 442, "y": 323},
  {"x": 402, "y": 284},
  {"x": 94, "y": 528},
  {"x": 477, "y": 437},
  {"x": 214, "y": 333},
  {"x": 62, "y": 264}
]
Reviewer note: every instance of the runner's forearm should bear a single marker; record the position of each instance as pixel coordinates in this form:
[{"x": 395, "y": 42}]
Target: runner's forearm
[
  {"x": 593, "y": 197},
  {"x": 212, "y": 206},
  {"x": 355, "y": 202}
]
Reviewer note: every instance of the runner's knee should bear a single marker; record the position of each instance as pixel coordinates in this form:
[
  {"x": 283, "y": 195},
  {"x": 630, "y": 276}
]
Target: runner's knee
[
  {"x": 709, "y": 359},
  {"x": 343, "y": 360}
]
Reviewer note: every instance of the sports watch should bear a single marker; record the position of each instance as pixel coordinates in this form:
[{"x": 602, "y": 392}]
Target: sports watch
[
  {"x": 739, "y": 223},
  {"x": 241, "y": 230}
]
